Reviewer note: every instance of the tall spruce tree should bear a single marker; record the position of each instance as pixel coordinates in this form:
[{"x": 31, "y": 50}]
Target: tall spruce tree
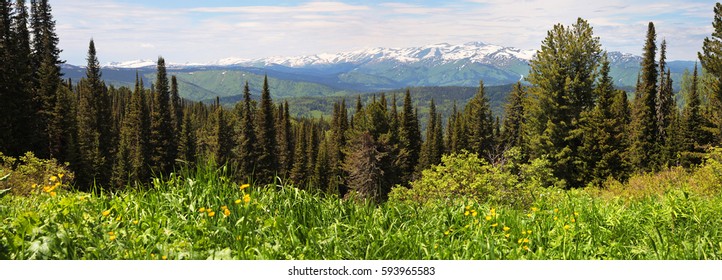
[
  {"x": 479, "y": 124},
  {"x": 644, "y": 148},
  {"x": 511, "y": 133},
  {"x": 7, "y": 121},
  {"x": 284, "y": 140},
  {"x": 266, "y": 145},
  {"x": 409, "y": 140},
  {"x": 93, "y": 149},
  {"x": 131, "y": 161},
  {"x": 666, "y": 110},
  {"x": 247, "y": 136},
  {"x": 711, "y": 59},
  {"x": 430, "y": 153},
  {"x": 176, "y": 111},
  {"x": 692, "y": 148},
  {"x": 161, "y": 123},
  {"x": 563, "y": 74}
]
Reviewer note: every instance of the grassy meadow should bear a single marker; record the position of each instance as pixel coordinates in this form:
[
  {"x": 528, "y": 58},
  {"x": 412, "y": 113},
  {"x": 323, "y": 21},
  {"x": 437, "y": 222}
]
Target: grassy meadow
[{"x": 202, "y": 214}]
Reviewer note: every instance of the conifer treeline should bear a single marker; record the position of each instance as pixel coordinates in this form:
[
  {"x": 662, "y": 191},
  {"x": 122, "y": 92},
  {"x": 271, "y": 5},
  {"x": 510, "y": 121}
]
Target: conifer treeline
[{"x": 570, "y": 113}]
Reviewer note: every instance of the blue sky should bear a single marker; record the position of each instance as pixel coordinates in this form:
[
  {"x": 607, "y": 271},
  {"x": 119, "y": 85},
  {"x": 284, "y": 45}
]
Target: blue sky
[{"x": 206, "y": 31}]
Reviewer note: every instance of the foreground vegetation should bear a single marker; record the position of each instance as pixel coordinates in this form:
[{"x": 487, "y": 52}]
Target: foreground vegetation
[{"x": 202, "y": 214}]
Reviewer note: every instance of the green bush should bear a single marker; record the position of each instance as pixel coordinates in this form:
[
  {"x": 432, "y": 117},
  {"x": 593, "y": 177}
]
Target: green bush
[
  {"x": 30, "y": 175},
  {"x": 465, "y": 175}
]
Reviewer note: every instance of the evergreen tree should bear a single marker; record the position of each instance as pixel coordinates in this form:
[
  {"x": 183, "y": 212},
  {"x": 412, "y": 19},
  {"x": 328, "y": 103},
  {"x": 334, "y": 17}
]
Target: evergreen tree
[
  {"x": 711, "y": 59},
  {"x": 284, "y": 140},
  {"x": 430, "y": 153},
  {"x": 692, "y": 149},
  {"x": 7, "y": 121},
  {"x": 187, "y": 142},
  {"x": 480, "y": 128},
  {"x": 92, "y": 91},
  {"x": 176, "y": 111},
  {"x": 409, "y": 140},
  {"x": 644, "y": 147},
  {"x": 563, "y": 74},
  {"x": 161, "y": 125},
  {"x": 321, "y": 171},
  {"x": 298, "y": 173},
  {"x": 511, "y": 133},
  {"x": 222, "y": 133},
  {"x": 267, "y": 162},
  {"x": 666, "y": 109},
  {"x": 131, "y": 161},
  {"x": 247, "y": 137}
]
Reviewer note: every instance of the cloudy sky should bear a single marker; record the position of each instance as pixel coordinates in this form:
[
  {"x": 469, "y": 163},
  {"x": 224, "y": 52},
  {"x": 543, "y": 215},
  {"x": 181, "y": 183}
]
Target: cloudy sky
[{"x": 206, "y": 31}]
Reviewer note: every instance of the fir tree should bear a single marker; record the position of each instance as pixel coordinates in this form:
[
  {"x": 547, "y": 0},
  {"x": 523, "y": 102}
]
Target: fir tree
[
  {"x": 247, "y": 137},
  {"x": 480, "y": 128},
  {"x": 284, "y": 140},
  {"x": 161, "y": 125},
  {"x": 711, "y": 59},
  {"x": 692, "y": 150},
  {"x": 300, "y": 166},
  {"x": 267, "y": 162},
  {"x": 511, "y": 133},
  {"x": 644, "y": 147},
  {"x": 409, "y": 140}
]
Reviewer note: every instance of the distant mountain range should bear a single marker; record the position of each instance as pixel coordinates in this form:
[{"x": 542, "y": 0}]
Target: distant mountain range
[{"x": 369, "y": 70}]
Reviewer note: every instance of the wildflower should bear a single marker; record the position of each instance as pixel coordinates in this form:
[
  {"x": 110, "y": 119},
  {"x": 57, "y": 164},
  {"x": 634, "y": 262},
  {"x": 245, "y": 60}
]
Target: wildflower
[
  {"x": 528, "y": 232},
  {"x": 53, "y": 194},
  {"x": 244, "y": 186},
  {"x": 53, "y": 178},
  {"x": 494, "y": 225},
  {"x": 118, "y": 218},
  {"x": 226, "y": 212},
  {"x": 436, "y": 246},
  {"x": 106, "y": 213},
  {"x": 488, "y": 218},
  {"x": 35, "y": 186},
  {"x": 111, "y": 238},
  {"x": 238, "y": 201},
  {"x": 576, "y": 214},
  {"x": 111, "y": 233},
  {"x": 203, "y": 209},
  {"x": 528, "y": 215},
  {"x": 224, "y": 207},
  {"x": 526, "y": 247},
  {"x": 467, "y": 208},
  {"x": 135, "y": 222},
  {"x": 526, "y": 240},
  {"x": 152, "y": 255},
  {"x": 473, "y": 213},
  {"x": 446, "y": 232},
  {"x": 534, "y": 209},
  {"x": 60, "y": 175},
  {"x": 466, "y": 213},
  {"x": 164, "y": 257},
  {"x": 556, "y": 210},
  {"x": 573, "y": 220},
  {"x": 555, "y": 218},
  {"x": 493, "y": 211},
  {"x": 520, "y": 240},
  {"x": 211, "y": 214},
  {"x": 566, "y": 227},
  {"x": 209, "y": 210},
  {"x": 506, "y": 235},
  {"x": 506, "y": 228},
  {"x": 247, "y": 198}
]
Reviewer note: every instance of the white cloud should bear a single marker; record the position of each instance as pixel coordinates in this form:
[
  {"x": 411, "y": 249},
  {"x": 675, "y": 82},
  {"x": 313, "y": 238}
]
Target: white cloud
[{"x": 125, "y": 31}]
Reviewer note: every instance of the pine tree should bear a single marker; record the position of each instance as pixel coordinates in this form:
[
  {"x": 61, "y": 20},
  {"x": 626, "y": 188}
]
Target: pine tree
[
  {"x": 161, "y": 125},
  {"x": 284, "y": 140},
  {"x": 298, "y": 173},
  {"x": 430, "y": 153},
  {"x": 666, "y": 110},
  {"x": 93, "y": 157},
  {"x": 247, "y": 154},
  {"x": 222, "y": 135},
  {"x": 131, "y": 161},
  {"x": 480, "y": 128},
  {"x": 266, "y": 145},
  {"x": 511, "y": 133},
  {"x": 563, "y": 74},
  {"x": 187, "y": 142},
  {"x": 711, "y": 59},
  {"x": 409, "y": 140},
  {"x": 321, "y": 171},
  {"x": 692, "y": 149},
  {"x": 176, "y": 111},
  {"x": 644, "y": 147}
]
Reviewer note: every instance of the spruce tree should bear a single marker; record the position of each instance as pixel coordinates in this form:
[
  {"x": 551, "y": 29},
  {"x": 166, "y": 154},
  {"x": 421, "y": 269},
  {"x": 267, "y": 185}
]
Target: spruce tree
[
  {"x": 511, "y": 133},
  {"x": 563, "y": 74},
  {"x": 266, "y": 145},
  {"x": 711, "y": 59},
  {"x": 644, "y": 148},
  {"x": 7, "y": 139},
  {"x": 480, "y": 128},
  {"x": 187, "y": 141},
  {"x": 409, "y": 140},
  {"x": 692, "y": 149},
  {"x": 131, "y": 161},
  {"x": 161, "y": 125},
  {"x": 176, "y": 111},
  {"x": 284, "y": 140},
  {"x": 429, "y": 151},
  {"x": 298, "y": 173},
  {"x": 93, "y": 157},
  {"x": 247, "y": 136}
]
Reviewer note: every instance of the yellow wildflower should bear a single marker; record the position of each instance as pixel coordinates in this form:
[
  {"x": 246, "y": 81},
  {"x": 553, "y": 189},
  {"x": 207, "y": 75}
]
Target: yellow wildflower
[
  {"x": 60, "y": 175},
  {"x": 520, "y": 240},
  {"x": 446, "y": 232},
  {"x": 526, "y": 240},
  {"x": 53, "y": 178},
  {"x": 467, "y": 208},
  {"x": 567, "y": 227},
  {"x": 506, "y": 235},
  {"x": 106, "y": 213},
  {"x": 534, "y": 209},
  {"x": 209, "y": 210},
  {"x": 506, "y": 228},
  {"x": 528, "y": 215},
  {"x": 573, "y": 220},
  {"x": 152, "y": 255},
  {"x": 53, "y": 194},
  {"x": 494, "y": 225},
  {"x": 35, "y": 186},
  {"x": 226, "y": 212},
  {"x": 211, "y": 214},
  {"x": 555, "y": 218},
  {"x": 118, "y": 218},
  {"x": 528, "y": 232},
  {"x": 576, "y": 214},
  {"x": 111, "y": 238},
  {"x": 203, "y": 209},
  {"x": 556, "y": 210},
  {"x": 466, "y": 213},
  {"x": 224, "y": 207},
  {"x": 493, "y": 211},
  {"x": 111, "y": 233},
  {"x": 164, "y": 257},
  {"x": 473, "y": 213},
  {"x": 238, "y": 201},
  {"x": 135, "y": 222},
  {"x": 244, "y": 186},
  {"x": 488, "y": 218},
  {"x": 247, "y": 198},
  {"x": 526, "y": 247}
]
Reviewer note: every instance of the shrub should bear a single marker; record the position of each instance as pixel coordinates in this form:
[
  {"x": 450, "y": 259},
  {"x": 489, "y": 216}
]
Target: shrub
[
  {"x": 30, "y": 175},
  {"x": 465, "y": 175}
]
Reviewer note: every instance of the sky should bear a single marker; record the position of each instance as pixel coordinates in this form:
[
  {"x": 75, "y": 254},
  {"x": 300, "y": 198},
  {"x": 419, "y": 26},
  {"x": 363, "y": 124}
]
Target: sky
[{"x": 206, "y": 31}]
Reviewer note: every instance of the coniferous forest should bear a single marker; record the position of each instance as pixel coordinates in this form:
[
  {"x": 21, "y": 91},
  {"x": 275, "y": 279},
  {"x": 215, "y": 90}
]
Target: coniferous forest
[{"x": 572, "y": 160}]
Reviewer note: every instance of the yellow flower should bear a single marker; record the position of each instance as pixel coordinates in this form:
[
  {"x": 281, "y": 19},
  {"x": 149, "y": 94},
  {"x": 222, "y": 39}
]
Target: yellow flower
[
  {"x": 35, "y": 186},
  {"x": 528, "y": 232},
  {"x": 135, "y": 222},
  {"x": 576, "y": 214},
  {"x": 506, "y": 228},
  {"x": 53, "y": 178},
  {"x": 203, "y": 209},
  {"x": 526, "y": 240},
  {"x": 118, "y": 218},
  {"x": 488, "y": 218},
  {"x": 567, "y": 227},
  {"x": 61, "y": 176},
  {"x": 244, "y": 186},
  {"x": 573, "y": 220},
  {"x": 473, "y": 213},
  {"x": 224, "y": 207},
  {"x": 467, "y": 208},
  {"x": 555, "y": 218},
  {"x": 556, "y": 210},
  {"x": 528, "y": 215},
  {"x": 436, "y": 246},
  {"x": 506, "y": 235},
  {"x": 494, "y": 225},
  {"x": 526, "y": 247},
  {"x": 53, "y": 194},
  {"x": 106, "y": 213},
  {"x": 446, "y": 232},
  {"x": 152, "y": 255},
  {"x": 209, "y": 210},
  {"x": 493, "y": 211},
  {"x": 111, "y": 233},
  {"x": 226, "y": 212},
  {"x": 111, "y": 238},
  {"x": 534, "y": 209},
  {"x": 247, "y": 198},
  {"x": 520, "y": 240},
  {"x": 211, "y": 214},
  {"x": 466, "y": 213},
  {"x": 164, "y": 257},
  {"x": 238, "y": 201}
]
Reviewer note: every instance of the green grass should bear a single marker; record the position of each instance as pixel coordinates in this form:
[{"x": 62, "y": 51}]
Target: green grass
[{"x": 282, "y": 222}]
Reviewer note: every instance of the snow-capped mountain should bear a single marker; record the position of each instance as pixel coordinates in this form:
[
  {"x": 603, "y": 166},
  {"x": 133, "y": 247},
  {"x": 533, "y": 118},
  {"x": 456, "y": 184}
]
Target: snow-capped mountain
[{"x": 475, "y": 52}]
